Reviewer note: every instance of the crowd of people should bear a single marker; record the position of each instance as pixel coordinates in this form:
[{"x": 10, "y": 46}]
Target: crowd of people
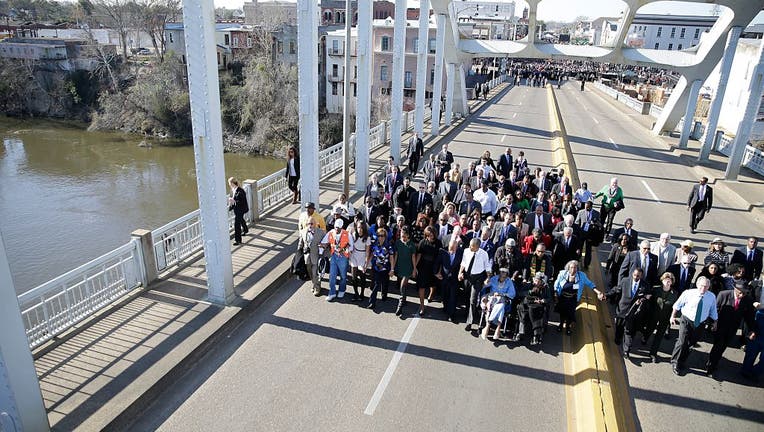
[{"x": 510, "y": 245}]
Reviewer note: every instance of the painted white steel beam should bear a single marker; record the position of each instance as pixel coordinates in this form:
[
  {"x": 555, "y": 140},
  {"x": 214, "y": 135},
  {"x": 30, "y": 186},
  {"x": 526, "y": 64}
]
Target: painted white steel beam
[
  {"x": 307, "y": 62},
  {"x": 399, "y": 60},
  {"x": 363, "y": 91},
  {"x": 421, "y": 65},
  {"x": 744, "y": 127},
  {"x": 204, "y": 93},
  {"x": 689, "y": 113},
  {"x": 437, "y": 85}
]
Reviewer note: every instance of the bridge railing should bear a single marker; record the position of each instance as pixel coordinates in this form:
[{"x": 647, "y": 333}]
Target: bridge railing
[
  {"x": 655, "y": 111},
  {"x": 753, "y": 158},
  {"x": 57, "y": 305}
]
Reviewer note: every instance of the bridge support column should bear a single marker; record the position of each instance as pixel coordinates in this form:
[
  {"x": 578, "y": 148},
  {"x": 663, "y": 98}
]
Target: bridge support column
[
  {"x": 718, "y": 100},
  {"x": 437, "y": 85},
  {"x": 671, "y": 114},
  {"x": 465, "y": 108},
  {"x": 421, "y": 65},
  {"x": 399, "y": 60},
  {"x": 307, "y": 59},
  {"x": 450, "y": 76},
  {"x": 746, "y": 123},
  {"x": 204, "y": 92},
  {"x": 346, "y": 102},
  {"x": 689, "y": 114},
  {"x": 20, "y": 397},
  {"x": 363, "y": 100}
]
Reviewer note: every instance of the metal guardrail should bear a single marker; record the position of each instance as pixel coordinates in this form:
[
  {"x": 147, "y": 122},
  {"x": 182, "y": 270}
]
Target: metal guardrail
[
  {"x": 57, "y": 305},
  {"x": 177, "y": 240},
  {"x": 655, "y": 111},
  {"x": 753, "y": 158}
]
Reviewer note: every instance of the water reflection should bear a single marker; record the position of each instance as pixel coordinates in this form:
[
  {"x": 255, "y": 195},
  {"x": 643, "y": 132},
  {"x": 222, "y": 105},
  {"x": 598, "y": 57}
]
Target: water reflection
[{"x": 67, "y": 195}]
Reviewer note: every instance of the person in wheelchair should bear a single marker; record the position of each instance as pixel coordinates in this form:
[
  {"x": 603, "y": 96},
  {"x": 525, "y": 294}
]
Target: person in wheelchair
[
  {"x": 495, "y": 301},
  {"x": 533, "y": 311}
]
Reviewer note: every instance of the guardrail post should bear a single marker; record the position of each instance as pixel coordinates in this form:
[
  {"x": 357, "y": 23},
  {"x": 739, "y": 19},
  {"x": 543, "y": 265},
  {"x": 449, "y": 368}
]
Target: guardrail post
[
  {"x": 718, "y": 139},
  {"x": 257, "y": 202},
  {"x": 250, "y": 188},
  {"x": 147, "y": 253}
]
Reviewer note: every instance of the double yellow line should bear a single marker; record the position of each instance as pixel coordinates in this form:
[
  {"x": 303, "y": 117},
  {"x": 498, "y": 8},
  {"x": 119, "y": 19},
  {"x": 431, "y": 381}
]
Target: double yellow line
[{"x": 596, "y": 390}]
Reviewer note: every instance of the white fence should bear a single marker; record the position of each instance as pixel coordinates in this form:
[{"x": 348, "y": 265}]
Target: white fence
[
  {"x": 753, "y": 158},
  {"x": 655, "y": 111},
  {"x": 57, "y": 305}
]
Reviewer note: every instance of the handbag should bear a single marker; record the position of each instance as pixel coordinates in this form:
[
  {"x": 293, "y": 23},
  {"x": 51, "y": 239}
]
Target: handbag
[{"x": 618, "y": 205}]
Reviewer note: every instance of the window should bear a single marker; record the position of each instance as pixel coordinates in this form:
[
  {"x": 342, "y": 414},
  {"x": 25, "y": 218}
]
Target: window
[
  {"x": 671, "y": 46},
  {"x": 280, "y": 47},
  {"x": 416, "y": 46},
  {"x": 431, "y": 44},
  {"x": 335, "y": 70},
  {"x": 385, "y": 43},
  {"x": 355, "y": 71},
  {"x": 227, "y": 39},
  {"x": 679, "y": 47},
  {"x": 355, "y": 92},
  {"x": 384, "y": 91},
  {"x": 660, "y": 30},
  {"x": 249, "y": 41},
  {"x": 432, "y": 76},
  {"x": 170, "y": 35},
  {"x": 292, "y": 48},
  {"x": 334, "y": 89},
  {"x": 673, "y": 32},
  {"x": 697, "y": 33},
  {"x": 681, "y": 33},
  {"x": 235, "y": 42},
  {"x": 335, "y": 46},
  {"x": 407, "y": 80},
  {"x": 657, "y": 46},
  {"x": 383, "y": 73}
]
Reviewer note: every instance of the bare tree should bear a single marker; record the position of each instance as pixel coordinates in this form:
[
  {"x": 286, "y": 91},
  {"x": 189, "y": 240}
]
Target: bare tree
[
  {"x": 119, "y": 14},
  {"x": 153, "y": 16}
]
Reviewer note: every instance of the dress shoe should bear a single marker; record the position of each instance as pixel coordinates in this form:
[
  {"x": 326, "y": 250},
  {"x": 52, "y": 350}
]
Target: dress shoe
[
  {"x": 468, "y": 327},
  {"x": 568, "y": 331},
  {"x": 236, "y": 243},
  {"x": 399, "y": 311},
  {"x": 370, "y": 306},
  {"x": 675, "y": 370},
  {"x": 692, "y": 230},
  {"x": 626, "y": 355},
  {"x": 654, "y": 359},
  {"x": 421, "y": 313},
  {"x": 559, "y": 328}
]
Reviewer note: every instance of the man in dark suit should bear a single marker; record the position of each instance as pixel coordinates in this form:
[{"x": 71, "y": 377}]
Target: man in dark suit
[
  {"x": 469, "y": 172},
  {"x": 588, "y": 221},
  {"x": 444, "y": 231},
  {"x": 445, "y": 158},
  {"x": 566, "y": 248},
  {"x": 562, "y": 188},
  {"x": 416, "y": 151},
  {"x": 469, "y": 205},
  {"x": 403, "y": 194},
  {"x": 475, "y": 232},
  {"x": 447, "y": 187},
  {"x": 750, "y": 257},
  {"x": 446, "y": 269},
  {"x": 733, "y": 306},
  {"x": 370, "y": 211},
  {"x": 539, "y": 219},
  {"x": 527, "y": 187},
  {"x": 238, "y": 203},
  {"x": 631, "y": 291},
  {"x": 683, "y": 273},
  {"x": 629, "y": 231},
  {"x": 393, "y": 180},
  {"x": 506, "y": 162},
  {"x": 699, "y": 202},
  {"x": 417, "y": 202},
  {"x": 640, "y": 259},
  {"x": 461, "y": 194},
  {"x": 542, "y": 183}
]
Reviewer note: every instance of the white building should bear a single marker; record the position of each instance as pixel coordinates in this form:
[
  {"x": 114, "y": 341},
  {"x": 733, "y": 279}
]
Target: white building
[
  {"x": 736, "y": 94},
  {"x": 382, "y": 63},
  {"x": 668, "y": 32}
]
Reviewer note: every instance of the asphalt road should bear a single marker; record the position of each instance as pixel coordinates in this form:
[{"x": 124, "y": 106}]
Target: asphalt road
[
  {"x": 300, "y": 363},
  {"x": 607, "y": 142}
]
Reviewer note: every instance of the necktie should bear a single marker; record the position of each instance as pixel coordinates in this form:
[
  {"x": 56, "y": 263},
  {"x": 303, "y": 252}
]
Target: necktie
[
  {"x": 750, "y": 255},
  {"x": 644, "y": 262},
  {"x": 699, "y": 312},
  {"x": 737, "y": 303},
  {"x": 539, "y": 223},
  {"x": 421, "y": 199},
  {"x": 683, "y": 278},
  {"x": 628, "y": 232},
  {"x": 634, "y": 289},
  {"x": 700, "y": 195},
  {"x": 567, "y": 243}
]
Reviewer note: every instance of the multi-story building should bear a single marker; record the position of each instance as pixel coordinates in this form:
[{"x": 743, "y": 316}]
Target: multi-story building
[
  {"x": 382, "y": 63},
  {"x": 333, "y": 11},
  {"x": 175, "y": 41},
  {"x": 668, "y": 32},
  {"x": 270, "y": 13}
]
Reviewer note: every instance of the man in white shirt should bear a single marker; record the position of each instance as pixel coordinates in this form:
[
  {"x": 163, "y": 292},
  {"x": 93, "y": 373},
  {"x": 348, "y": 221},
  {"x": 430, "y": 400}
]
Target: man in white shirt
[
  {"x": 473, "y": 271},
  {"x": 489, "y": 203},
  {"x": 695, "y": 307}
]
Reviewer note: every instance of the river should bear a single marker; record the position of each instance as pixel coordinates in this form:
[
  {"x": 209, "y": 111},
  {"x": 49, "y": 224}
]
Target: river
[{"x": 68, "y": 195}]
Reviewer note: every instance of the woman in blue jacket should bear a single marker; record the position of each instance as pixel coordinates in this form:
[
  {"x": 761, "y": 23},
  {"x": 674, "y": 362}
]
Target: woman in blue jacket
[{"x": 569, "y": 287}]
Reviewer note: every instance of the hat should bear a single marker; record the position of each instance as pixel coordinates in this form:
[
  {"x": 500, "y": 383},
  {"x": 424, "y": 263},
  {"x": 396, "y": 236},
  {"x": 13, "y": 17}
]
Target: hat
[
  {"x": 504, "y": 270},
  {"x": 688, "y": 243},
  {"x": 338, "y": 209},
  {"x": 717, "y": 240},
  {"x": 339, "y": 223},
  {"x": 310, "y": 205},
  {"x": 511, "y": 242},
  {"x": 540, "y": 276}
]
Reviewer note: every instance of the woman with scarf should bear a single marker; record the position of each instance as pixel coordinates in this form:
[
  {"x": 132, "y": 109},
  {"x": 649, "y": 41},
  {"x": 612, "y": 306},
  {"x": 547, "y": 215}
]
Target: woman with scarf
[{"x": 569, "y": 288}]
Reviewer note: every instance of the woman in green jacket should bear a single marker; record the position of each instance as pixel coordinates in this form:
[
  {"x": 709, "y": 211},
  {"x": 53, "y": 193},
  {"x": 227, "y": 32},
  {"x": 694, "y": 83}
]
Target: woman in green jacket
[{"x": 612, "y": 201}]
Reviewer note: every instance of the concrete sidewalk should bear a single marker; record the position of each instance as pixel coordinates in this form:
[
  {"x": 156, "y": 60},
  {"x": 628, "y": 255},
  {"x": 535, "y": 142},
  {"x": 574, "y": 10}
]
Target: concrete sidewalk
[
  {"x": 747, "y": 191},
  {"x": 107, "y": 369}
]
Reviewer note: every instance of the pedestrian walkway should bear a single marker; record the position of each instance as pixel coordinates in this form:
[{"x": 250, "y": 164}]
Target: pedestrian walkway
[{"x": 106, "y": 369}]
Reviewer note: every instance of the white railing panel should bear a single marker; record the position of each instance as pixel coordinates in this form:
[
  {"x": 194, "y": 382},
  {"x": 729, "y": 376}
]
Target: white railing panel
[
  {"x": 330, "y": 160},
  {"x": 177, "y": 240},
  {"x": 272, "y": 191},
  {"x": 655, "y": 111},
  {"x": 57, "y": 305}
]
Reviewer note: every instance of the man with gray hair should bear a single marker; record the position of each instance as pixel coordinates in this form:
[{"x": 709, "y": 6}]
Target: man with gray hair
[
  {"x": 665, "y": 252},
  {"x": 690, "y": 311},
  {"x": 643, "y": 259}
]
